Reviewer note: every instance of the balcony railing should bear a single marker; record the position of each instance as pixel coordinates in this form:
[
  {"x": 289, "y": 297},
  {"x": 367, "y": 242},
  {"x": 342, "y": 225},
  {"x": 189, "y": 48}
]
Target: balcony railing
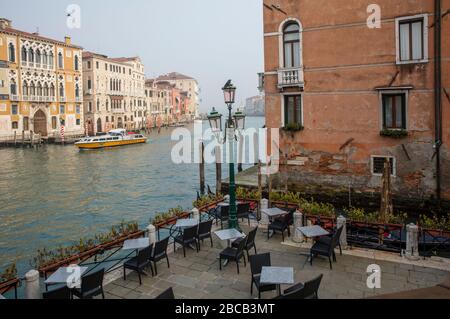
[
  {"x": 290, "y": 77},
  {"x": 25, "y": 97},
  {"x": 78, "y": 99},
  {"x": 31, "y": 64},
  {"x": 14, "y": 97},
  {"x": 24, "y": 63},
  {"x": 62, "y": 99}
]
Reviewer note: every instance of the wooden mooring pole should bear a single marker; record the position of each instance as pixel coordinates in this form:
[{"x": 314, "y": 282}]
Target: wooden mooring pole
[
  {"x": 218, "y": 154},
  {"x": 259, "y": 190},
  {"x": 202, "y": 169}
]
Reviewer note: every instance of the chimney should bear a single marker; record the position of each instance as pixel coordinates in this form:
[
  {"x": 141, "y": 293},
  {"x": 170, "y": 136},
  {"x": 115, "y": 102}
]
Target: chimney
[
  {"x": 68, "y": 40},
  {"x": 5, "y": 23}
]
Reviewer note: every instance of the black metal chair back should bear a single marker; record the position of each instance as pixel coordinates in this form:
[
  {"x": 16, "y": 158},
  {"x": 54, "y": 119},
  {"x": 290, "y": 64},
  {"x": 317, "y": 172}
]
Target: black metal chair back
[
  {"x": 161, "y": 247},
  {"x": 189, "y": 233},
  {"x": 205, "y": 227},
  {"x": 243, "y": 208},
  {"x": 92, "y": 281},
  {"x": 168, "y": 295},
  {"x": 62, "y": 293},
  {"x": 310, "y": 291},
  {"x": 241, "y": 247},
  {"x": 144, "y": 254},
  {"x": 335, "y": 239},
  {"x": 251, "y": 237},
  {"x": 224, "y": 211},
  {"x": 259, "y": 261}
]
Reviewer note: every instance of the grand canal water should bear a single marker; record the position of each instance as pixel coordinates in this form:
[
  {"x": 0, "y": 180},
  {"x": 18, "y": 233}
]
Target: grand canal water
[{"x": 56, "y": 195}]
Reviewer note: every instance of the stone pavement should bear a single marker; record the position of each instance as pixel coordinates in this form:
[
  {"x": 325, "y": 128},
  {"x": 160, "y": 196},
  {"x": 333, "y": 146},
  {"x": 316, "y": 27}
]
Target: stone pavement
[{"x": 198, "y": 276}]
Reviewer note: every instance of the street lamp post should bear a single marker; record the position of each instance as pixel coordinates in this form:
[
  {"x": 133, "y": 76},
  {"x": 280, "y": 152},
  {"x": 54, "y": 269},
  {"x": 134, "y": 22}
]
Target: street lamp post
[{"x": 233, "y": 124}]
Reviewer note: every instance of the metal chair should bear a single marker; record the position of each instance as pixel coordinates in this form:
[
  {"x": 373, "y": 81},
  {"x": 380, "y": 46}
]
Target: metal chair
[
  {"x": 204, "y": 231},
  {"x": 168, "y": 295},
  {"x": 326, "y": 248},
  {"x": 159, "y": 253},
  {"x": 243, "y": 211},
  {"x": 308, "y": 290},
  {"x": 256, "y": 264},
  {"x": 233, "y": 254},
  {"x": 91, "y": 286},
  {"x": 139, "y": 263},
  {"x": 223, "y": 215},
  {"x": 250, "y": 242},
  {"x": 187, "y": 238},
  {"x": 280, "y": 224},
  {"x": 62, "y": 293}
]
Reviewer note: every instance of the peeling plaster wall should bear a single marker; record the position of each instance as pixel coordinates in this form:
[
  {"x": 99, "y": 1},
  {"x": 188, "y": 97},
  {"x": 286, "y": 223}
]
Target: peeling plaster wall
[{"x": 344, "y": 62}]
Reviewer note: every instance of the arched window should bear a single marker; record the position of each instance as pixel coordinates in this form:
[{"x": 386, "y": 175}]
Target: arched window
[
  {"x": 60, "y": 60},
  {"x": 24, "y": 54},
  {"x": 32, "y": 89},
  {"x": 31, "y": 55},
  {"x": 77, "y": 90},
  {"x": 39, "y": 89},
  {"x": 12, "y": 53},
  {"x": 44, "y": 58},
  {"x": 52, "y": 90},
  {"x": 25, "y": 88},
  {"x": 61, "y": 90},
  {"x": 13, "y": 87},
  {"x": 45, "y": 89},
  {"x": 291, "y": 45},
  {"x": 50, "y": 59},
  {"x": 76, "y": 63},
  {"x": 38, "y": 56}
]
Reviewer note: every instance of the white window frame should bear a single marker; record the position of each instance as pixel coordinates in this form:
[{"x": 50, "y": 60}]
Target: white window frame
[
  {"x": 281, "y": 42},
  {"x": 283, "y": 95},
  {"x": 398, "y": 91},
  {"x": 11, "y": 41},
  {"x": 57, "y": 59},
  {"x": 394, "y": 161},
  {"x": 425, "y": 38}
]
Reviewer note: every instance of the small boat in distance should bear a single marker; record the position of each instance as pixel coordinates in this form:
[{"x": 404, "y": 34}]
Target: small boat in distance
[{"x": 114, "y": 138}]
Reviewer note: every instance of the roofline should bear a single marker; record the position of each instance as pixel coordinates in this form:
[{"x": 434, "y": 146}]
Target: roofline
[
  {"x": 103, "y": 57},
  {"x": 29, "y": 35}
]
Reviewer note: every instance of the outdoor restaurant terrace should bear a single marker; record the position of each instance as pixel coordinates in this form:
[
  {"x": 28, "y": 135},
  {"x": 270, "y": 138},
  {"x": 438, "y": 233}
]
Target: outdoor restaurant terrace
[{"x": 278, "y": 251}]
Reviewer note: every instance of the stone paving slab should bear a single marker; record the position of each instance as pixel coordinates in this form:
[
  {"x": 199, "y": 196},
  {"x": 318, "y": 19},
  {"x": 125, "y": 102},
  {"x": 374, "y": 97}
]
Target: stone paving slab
[{"x": 198, "y": 276}]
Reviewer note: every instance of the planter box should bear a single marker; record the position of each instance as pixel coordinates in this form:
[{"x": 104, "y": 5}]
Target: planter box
[
  {"x": 171, "y": 221},
  {"x": 9, "y": 285},
  {"x": 209, "y": 206},
  {"x": 284, "y": 204},
  {"x": 89, "y": 253}
]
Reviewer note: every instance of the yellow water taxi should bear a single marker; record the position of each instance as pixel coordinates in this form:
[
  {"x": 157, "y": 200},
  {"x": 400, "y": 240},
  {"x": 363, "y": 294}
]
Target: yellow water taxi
[{"x": 114, "y": 138}]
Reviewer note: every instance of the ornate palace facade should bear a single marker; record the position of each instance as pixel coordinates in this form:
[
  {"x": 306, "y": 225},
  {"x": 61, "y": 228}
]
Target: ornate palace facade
[
  {"x": 113, "y": 93},
  {"x": 40, "y": 84}
]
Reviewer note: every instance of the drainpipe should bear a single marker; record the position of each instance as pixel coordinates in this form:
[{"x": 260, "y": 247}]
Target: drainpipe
[{"x": 437, "y": 96}]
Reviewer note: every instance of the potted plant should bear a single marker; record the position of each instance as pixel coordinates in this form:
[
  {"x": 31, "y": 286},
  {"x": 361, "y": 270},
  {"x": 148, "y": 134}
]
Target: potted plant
[
  {"x": 394, "y": 133},
  {"x": 8, "y": 279}
]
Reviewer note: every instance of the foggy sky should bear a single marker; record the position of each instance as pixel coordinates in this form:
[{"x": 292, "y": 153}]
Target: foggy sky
[{"x": 211, "y": 40}]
